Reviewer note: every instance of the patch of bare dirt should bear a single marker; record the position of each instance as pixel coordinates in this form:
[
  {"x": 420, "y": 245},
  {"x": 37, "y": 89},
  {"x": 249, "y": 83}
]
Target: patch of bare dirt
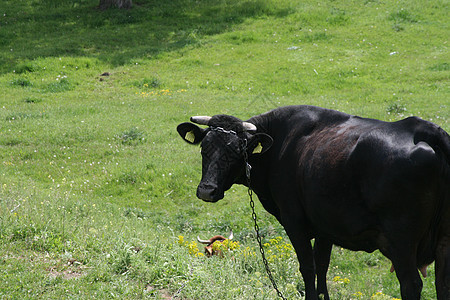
[
  {"x": 71, "y": 270},
  {"x": 163, "y": 293}
]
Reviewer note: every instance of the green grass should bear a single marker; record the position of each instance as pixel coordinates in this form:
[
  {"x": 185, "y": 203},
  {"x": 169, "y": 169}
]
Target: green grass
[{"x": 96, "y": 185}]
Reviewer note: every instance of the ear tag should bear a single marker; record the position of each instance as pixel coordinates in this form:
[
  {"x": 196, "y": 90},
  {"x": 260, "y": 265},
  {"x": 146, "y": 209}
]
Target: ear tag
[
  {"x": 190, "y": 136},
  {"x": 258, "y": 149}
]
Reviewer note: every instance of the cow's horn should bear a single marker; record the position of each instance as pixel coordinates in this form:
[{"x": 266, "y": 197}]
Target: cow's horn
[
  {"x": 249, "y": 126},
  {"x": 203, "y": 241},
  {"x": 202, "y": 120},
  {"x": 231, "y": 235}
]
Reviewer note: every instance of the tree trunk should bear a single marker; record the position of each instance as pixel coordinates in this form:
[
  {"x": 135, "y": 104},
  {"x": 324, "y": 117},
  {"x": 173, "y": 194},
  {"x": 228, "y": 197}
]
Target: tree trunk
[{"x": 105, "y": 4}]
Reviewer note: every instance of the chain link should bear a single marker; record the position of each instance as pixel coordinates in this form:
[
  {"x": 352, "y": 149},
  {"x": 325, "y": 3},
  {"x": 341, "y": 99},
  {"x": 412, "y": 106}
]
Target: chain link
[
  {"x": 176, "y": 295},
  {"x": 248, "y": 168}
]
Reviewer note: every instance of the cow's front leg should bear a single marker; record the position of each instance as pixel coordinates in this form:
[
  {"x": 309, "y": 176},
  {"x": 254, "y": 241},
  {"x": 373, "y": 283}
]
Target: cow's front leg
[
  {"x": 322, "y": 253},
  {"x": 305, "y": 255}
]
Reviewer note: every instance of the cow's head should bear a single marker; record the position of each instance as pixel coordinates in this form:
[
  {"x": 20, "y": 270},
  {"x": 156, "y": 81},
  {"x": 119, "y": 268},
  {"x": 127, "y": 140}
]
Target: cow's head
[{"x": 225, "y": 143}]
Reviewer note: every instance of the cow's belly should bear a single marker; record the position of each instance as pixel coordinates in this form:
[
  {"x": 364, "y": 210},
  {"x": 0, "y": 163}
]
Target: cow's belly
[
  {"x": 368, "y": 241},
  {"x": 346, "y": 224}
]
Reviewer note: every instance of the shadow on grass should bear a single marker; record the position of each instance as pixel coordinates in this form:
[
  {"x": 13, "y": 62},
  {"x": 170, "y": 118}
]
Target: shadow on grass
[{"x": 30, "y": 29}]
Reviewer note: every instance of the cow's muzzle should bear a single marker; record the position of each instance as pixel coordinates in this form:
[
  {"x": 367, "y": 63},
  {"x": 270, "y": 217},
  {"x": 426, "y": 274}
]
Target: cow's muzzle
[{"x": 209, "y": 193}]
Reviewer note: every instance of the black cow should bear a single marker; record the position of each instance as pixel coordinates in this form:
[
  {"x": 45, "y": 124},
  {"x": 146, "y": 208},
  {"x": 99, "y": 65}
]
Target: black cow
[{"x": 359, "y": 183}]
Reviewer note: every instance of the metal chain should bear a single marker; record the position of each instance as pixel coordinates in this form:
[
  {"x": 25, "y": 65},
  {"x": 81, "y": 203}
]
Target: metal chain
[
  {"x": 176, "y": 295},
  {"x": 261, "y": 249},
  {"x": 258, "y": 236}
]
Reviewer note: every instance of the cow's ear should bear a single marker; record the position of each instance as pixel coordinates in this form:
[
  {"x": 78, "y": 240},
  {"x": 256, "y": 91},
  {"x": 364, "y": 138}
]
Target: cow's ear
[
  {"x": 259, "y": 143},
  {"x": 191, "y": 133}
]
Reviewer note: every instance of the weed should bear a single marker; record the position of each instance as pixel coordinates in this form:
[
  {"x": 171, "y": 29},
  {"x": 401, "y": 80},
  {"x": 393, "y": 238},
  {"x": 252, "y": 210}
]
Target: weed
[
  {"x": 122, "y": 261},
  {"x": 28, "y": 67},
  {"x": 132, "y": 135},
  {"x": 192, "y": 247},
  {"x": 62, "y": 84},
  {"x": 32, "y": 100},
  {"x": 24, "y": 233},
  {"x": 21, "y": 82},
  {"x": 441, "y": 67},
  {"x": 128, "y": 178},
  {"x": 47, "y": 241},
  {"x": 398, "y": 27},
  {"x": 22, "y": 116},
  {"x": 17, "y": 116},
  {"x": 11, "y": 142},
  {"x": 164, "y": 92},
  {"x": 314, "y": 37},
  {"x": 338, "y": 17},
  {"x": 138, "y": 213},
  {"x": 404, "y": 16},
  {"x": 396, "y": 108},
  {"x": 146, "y": 83}
]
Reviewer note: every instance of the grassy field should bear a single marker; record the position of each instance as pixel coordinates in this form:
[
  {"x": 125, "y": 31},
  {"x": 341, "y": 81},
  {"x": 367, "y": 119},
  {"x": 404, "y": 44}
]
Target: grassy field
[{"x": 97, "y": 190}]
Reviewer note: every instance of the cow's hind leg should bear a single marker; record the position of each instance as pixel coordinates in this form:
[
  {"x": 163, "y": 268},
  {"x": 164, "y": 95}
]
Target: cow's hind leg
[
  {"x": 443, "y": 270},
  {"x": 322, "y": 253},
  {"x": 406, "y": 270}
]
